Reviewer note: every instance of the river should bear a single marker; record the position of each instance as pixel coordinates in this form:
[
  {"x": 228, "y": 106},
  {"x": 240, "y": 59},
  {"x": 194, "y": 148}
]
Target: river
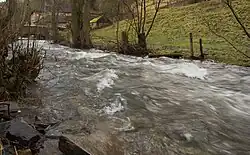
[{"x": 119, "y": 104}]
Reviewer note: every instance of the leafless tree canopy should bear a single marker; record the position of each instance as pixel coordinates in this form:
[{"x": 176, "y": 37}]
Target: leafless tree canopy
[
  {"x": 139, "y": 11},
  {"x": 81, "y": 23},
  {"x": 232, "y": 9}
]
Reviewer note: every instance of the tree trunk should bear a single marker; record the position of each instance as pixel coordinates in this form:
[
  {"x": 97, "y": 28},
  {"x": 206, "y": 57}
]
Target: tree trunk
[
  {"x": 54, "y": 21},
  {"x": 85, "y": 32},
  {"x": 11, "y": 10},
  {"x": 117, "y": 26},
  {"x": 76, "y": 22},
  {"x": 4, "y": 23},
  {"x": 124, "y": 43},
  {"x": 142, "y": 42}
]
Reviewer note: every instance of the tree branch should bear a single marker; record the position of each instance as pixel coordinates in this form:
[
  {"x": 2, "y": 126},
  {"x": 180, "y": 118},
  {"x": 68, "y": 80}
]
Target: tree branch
[
  {"x": 133, "y": 15},
  {"x": 220, "y": 36},
  {"x": 138, "y": 16},
  {"x": 229, "y": 4},
  {"x": 141, "y": 15},
  {"x": 156, "y": 11},
  {"x": 145, "y": 13}
]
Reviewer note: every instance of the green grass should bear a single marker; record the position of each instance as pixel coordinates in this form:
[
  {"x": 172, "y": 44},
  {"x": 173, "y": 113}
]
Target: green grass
[{"x": 170, "y": 33}]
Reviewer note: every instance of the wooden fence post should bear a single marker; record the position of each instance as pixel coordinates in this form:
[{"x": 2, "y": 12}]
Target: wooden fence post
[
  {"x": 191, "y": 45},
  {"x": 201, "y": 50}
]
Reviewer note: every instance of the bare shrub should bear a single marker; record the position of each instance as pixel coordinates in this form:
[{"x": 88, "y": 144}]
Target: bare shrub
[
  {"x": 19, "y": 64},
  {"x": 20, "y": 70}
]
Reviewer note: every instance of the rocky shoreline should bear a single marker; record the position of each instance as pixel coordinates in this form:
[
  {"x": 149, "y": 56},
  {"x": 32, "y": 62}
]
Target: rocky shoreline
[{"x": 18, "y": 137}]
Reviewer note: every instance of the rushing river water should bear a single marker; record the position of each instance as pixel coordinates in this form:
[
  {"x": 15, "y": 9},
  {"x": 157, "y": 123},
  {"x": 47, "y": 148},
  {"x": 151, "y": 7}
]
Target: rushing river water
[{"x": 129, "y": 105}]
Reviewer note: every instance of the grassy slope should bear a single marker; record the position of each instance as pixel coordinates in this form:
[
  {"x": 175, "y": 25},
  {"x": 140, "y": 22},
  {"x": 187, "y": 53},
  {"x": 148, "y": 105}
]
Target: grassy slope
[{"x": 172, "y": 27}]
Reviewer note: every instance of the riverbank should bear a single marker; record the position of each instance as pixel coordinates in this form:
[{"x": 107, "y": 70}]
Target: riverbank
[{"x": 170, "y": 34}]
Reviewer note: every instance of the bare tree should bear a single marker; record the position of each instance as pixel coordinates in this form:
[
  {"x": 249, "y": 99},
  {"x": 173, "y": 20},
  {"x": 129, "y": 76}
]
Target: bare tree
[
  {"x": 140, "y": 17},
  {"x": 4, "y": 26},
  {"x": 76, "y": 24},
  {"x": 110, "y": 8},
  {"x": 80, "y": 23},
  {"x": 54, "y": 20},
  {"x": 230, "y": 6},
  {"x": 85, "y": 32},
  {"x": 4, "y": 23},
  {"x": 242, "y": 26}
]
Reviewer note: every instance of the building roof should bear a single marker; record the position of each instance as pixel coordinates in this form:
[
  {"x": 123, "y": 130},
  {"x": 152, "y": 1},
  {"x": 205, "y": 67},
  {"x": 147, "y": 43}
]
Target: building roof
[{"x": 96, "y": 19}]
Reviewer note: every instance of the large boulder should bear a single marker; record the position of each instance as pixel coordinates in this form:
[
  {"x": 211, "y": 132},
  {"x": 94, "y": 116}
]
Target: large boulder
[{"x": 21, "y": 134}]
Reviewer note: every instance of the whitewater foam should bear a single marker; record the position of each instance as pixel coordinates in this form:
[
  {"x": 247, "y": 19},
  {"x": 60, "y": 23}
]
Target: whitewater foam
[
  {"x": 107, "y": 79},
  {"x": 90, "y": 55},
  {"x": 127, "y": 125},
  {"x": 115, "y": 106},
  {"x": 187, "y": 69},
  {"x": 103, "y": 79}
]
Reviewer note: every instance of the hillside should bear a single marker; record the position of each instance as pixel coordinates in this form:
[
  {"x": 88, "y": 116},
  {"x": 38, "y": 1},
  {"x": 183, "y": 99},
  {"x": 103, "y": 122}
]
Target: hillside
[{"x": 170, "y": 33}]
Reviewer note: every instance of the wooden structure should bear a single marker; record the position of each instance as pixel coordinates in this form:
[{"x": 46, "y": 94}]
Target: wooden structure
[
  {"x": 39, "y": 32},
  {"x": 99, "y": 22},
  {"x": 191, "y": 44}
]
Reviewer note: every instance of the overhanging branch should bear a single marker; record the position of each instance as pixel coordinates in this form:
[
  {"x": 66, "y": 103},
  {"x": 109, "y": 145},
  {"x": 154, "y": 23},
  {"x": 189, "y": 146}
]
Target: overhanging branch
[{"x": 229, "y": 4}]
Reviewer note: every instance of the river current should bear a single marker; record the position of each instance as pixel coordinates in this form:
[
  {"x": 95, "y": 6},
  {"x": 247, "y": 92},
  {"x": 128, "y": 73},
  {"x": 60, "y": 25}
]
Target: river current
[{"x": 117, "y": 104}]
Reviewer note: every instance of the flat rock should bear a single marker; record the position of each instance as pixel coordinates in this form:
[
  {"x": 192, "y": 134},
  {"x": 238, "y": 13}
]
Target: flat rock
[
  {"x": 96, "y": 143},
  {"x": 68, "y": 147},
  {"x": 50, "y": 148}
]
